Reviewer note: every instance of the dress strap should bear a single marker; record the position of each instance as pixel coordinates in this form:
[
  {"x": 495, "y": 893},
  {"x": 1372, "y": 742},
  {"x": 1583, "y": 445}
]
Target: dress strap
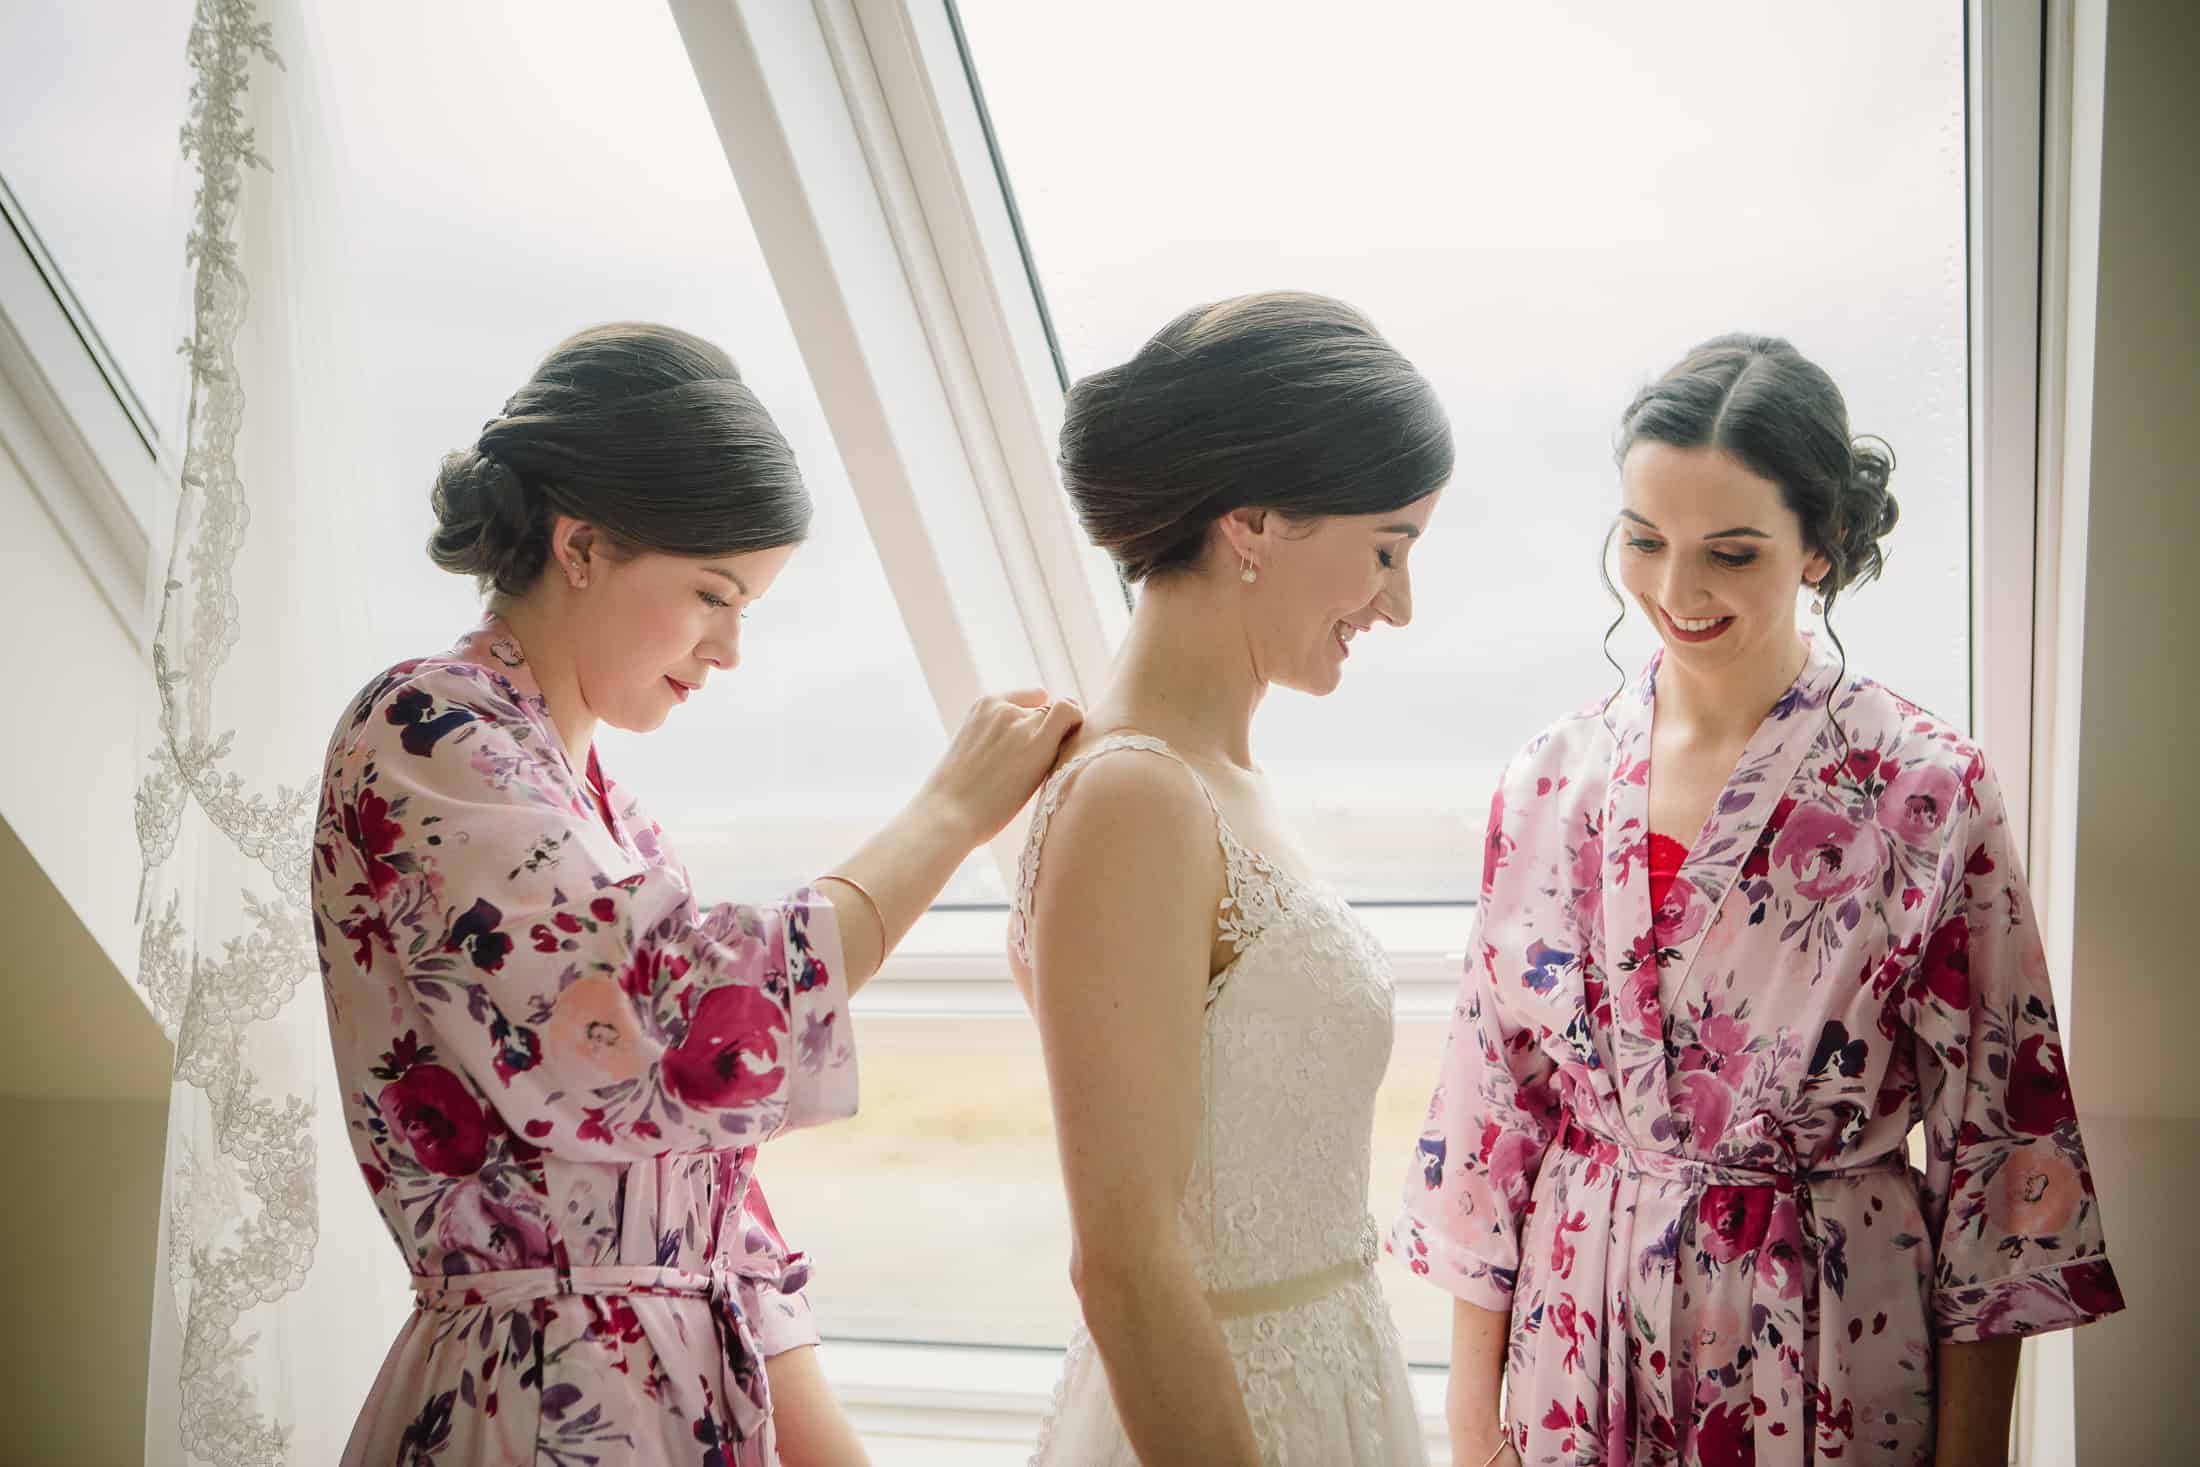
[{"x": 1051, "y": 795}]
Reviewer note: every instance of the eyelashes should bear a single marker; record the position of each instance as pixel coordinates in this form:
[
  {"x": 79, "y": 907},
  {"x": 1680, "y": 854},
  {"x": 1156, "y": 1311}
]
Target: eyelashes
[
  {"x": 1389, "y": 561},
  {"x": 1727, "y": 558}
]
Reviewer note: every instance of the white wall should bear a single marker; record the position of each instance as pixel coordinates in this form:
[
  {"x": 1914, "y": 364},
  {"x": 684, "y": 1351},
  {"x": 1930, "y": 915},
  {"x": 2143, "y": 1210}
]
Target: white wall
[
  {"x": 84, "y": 1087},
  {"x": 83, "y": 1120},
  {"x": 69, "y": 760},
  {"x": 2135, "y": 973}
]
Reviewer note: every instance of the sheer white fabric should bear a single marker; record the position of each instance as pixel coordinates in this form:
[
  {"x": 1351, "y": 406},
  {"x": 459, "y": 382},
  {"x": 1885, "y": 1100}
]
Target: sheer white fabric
[
  {"x": 1297, "y": 1036},
  {"x": 260, "y": 1349}
]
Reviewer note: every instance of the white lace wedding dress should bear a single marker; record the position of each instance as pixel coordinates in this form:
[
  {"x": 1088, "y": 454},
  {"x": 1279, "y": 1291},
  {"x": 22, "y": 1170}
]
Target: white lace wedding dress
[{"x": 1298, "y": 1034}]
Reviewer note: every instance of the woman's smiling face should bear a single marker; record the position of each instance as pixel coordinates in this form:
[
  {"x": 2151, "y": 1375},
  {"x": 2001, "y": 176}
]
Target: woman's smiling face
[
  {"x": 1713, "y": 555},
  {"x": 1319, "y": 585}
]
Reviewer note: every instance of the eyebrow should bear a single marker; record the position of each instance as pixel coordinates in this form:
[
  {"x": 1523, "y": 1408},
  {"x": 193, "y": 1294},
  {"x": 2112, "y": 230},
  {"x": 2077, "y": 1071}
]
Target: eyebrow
[
  {"x": 728, "y": 575},
  {"x": 1739, "y": 532},
  {"x": 1411, "y": 532}
]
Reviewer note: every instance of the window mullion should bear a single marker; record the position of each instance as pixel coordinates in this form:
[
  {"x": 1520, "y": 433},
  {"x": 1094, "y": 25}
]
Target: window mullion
[
  {"x": 993, "y": 325},
  {"x": 2003, "y": 78}
]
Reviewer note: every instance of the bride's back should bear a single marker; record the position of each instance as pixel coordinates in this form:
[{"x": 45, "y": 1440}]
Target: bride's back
[{"x": 1296, "y": 1039}]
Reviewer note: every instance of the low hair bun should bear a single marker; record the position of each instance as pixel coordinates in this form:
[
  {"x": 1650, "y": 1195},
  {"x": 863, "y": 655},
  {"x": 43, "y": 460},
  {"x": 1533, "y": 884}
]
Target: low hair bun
[
  {"x": 1868, "y": 511},
  {"x": 487, "y": 523},
  {"x": 644, "y": 433}
]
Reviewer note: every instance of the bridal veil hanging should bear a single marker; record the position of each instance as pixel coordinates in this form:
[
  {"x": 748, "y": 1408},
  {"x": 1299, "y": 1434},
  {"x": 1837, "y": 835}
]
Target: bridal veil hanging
[{"x": 268, "y": 1320}]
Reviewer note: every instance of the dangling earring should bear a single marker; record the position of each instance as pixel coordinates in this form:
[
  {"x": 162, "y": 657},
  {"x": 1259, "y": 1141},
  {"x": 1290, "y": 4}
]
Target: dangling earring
[
  {"x": 1249, "y": 575},
  {"x": 1817, "y": 600}
]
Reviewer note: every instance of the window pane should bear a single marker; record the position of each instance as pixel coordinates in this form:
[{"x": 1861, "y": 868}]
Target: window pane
[
  {"x": 511, "y": 173},
  {"x": 1543, "y": 206},
  {"x": 92, "y": 104},
  {"x": 938, "y": 1212}
]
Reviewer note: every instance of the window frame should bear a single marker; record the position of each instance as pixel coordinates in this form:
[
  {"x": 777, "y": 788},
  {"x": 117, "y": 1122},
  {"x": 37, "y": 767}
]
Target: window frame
[{"x": 73, "y": 422}]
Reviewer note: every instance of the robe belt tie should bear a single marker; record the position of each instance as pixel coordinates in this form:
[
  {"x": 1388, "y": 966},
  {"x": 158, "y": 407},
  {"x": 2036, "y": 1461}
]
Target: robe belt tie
[
  {"x": 1782, "y": 1299},
  {"x": 744, "y": 1390}
]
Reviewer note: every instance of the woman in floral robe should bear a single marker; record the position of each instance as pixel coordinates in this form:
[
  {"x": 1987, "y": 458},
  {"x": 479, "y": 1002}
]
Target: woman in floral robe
[
  {"x": 1741, "y": 929},
  {"x": 557, "y": 1066}
]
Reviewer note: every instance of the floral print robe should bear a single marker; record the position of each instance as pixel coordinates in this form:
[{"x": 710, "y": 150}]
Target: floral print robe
[
  {"x": 556, "y": 1071},
  {"x": 1682, "y": 1167}
]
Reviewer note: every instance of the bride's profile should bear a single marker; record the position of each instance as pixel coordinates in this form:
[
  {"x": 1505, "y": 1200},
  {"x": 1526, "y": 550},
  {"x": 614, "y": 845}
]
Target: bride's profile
[{"x": 1215, "y": 1021}]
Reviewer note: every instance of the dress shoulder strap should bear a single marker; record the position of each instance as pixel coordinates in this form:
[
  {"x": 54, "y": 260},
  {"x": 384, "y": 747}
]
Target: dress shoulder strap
[{"x": 1051, "y": 795}]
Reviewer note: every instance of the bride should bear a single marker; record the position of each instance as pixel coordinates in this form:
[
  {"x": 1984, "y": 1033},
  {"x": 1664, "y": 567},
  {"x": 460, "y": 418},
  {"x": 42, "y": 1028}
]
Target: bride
[{"x": 1215, "y": 1020}]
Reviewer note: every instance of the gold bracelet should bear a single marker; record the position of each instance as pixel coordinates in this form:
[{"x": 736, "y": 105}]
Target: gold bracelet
[{"x": 862, "y": 891}]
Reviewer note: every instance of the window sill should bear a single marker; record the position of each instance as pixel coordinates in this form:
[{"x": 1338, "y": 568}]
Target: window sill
[
  {"x": 954, "y": 964},
  {"x": 912, "y": 1401}
]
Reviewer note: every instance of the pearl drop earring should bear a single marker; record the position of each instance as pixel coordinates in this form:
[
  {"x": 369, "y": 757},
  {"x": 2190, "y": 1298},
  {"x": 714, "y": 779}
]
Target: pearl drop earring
[{"x": 1249, "y": 575}]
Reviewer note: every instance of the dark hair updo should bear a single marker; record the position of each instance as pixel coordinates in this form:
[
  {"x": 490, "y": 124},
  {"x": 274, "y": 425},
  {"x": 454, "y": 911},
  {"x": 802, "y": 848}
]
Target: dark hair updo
[
  {"x": 646, "y": 433},
  {"x": 1281, "y": 401},
  {"x": 1775, "y": 410}
]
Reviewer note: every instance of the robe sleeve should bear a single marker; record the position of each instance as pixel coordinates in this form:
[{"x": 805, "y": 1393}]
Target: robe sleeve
[
  {"x": 2016, "y": 1226},
  {"x": 601, "y": 1019},
  {"x": 774, "y": 1280},
  {"x": 1495, "y": 1110}
]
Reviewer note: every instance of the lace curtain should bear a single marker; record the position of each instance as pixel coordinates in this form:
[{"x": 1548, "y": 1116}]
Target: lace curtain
[{"x": 273, "y": 1297}]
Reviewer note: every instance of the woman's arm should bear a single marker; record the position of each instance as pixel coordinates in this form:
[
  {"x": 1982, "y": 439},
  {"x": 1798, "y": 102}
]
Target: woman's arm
[
  {"x": 811, "y": 1429},
  {"x": 1490, "y": 1121},
  {"x": 1978, "y": 1381},
  {"x": 1004, "y": 748},
  {"x": 1473, "y": 1392},
  {"x": 1123, "y": 928},
  {"x": 602, "y": 1015}
]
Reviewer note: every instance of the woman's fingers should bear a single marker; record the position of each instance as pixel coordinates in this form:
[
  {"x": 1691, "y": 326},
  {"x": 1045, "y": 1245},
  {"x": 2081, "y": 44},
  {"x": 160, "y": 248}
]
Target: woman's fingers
[{"x": 1005, "y": 748}]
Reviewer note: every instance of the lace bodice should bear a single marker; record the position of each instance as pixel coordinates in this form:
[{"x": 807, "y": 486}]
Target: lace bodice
[{"x": 1297, "y": 1037}]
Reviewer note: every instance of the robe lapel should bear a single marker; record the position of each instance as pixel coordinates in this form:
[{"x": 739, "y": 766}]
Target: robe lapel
[
  {"x": 1764, "y": 773},
  {"x": 492, "y": 645},
  {"x": 1638, "y": 1045},
  {"x": 1761, "y": 778}
]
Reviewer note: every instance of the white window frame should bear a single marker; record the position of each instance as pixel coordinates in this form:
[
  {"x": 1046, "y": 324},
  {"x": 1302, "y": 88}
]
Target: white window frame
[{"x": 74, "y": 425}]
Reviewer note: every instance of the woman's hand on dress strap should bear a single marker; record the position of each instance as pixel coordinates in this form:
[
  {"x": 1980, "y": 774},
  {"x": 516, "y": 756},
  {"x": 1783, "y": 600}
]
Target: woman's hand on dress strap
[
  {"x": 1004, "y": 749},
  {"x": 996, "y": 759}
]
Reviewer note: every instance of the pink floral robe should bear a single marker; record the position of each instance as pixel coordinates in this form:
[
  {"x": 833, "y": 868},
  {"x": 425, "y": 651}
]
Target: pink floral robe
[
  {"x": 556, "y": 1073},
  {"x": 1682, "y": 1169}
]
